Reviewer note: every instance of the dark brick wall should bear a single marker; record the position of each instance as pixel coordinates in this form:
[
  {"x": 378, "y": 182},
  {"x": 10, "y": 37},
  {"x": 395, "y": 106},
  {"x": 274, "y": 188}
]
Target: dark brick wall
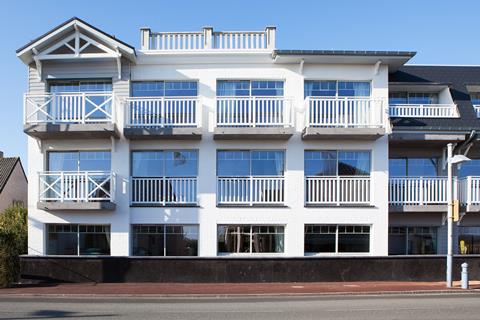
[{"x": 208, "y": 270}]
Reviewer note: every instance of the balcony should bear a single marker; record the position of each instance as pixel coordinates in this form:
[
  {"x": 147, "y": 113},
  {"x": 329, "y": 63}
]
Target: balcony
[
  {"x": 418, "y": 194},
  {"x": 251, "y": 191},
  {"x": 253, "y": 118},
  {"x": 469, "y": 193},
  {"x": 337, "y": 191},
  {"x": 164, "y": 191},
  {"x": 344, "y": 118},
  {"x": 208, "y": 40},
  {"x": 84, "y": 190},
  {"x": 424, "y": 111},
  {"x": 177, "y": 118},
  {"x": 70, "y": 115}
]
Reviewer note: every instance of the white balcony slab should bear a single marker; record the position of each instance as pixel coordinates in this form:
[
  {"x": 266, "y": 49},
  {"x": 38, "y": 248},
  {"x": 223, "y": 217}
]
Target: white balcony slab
[
  {"x": 77, "y": 206},
  {"x": 338, "y": 133},
  {"x": 249, "y": 133},
  {"x": 72, "y": 130},
  {"x": 162, "y": 133}
]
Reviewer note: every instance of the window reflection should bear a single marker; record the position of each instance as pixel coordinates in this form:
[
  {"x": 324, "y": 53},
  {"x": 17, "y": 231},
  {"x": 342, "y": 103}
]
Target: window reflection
[
  {"x": 250, "y": 163},
  {"x": 332, "y": 163},
  {"x": 413, "y": 167},
  {"x": 71, "y": 239},
  {"x": 165, "y": 240},
  {"x": 250, "y": 239},
  {"x": 412, "y": 240}
]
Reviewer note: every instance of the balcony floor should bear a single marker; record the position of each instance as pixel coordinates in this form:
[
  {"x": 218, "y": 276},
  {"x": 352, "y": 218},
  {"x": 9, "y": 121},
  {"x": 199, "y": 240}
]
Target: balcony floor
[
  {"x": 163, "y": 133},
  {"x": 339, "y": 133},
  {"x": 72, "y": 130},
  {"x": 417, "y": 208},
  {"x": 250, "y": 133},
  {"x": 76, "y": 206}
]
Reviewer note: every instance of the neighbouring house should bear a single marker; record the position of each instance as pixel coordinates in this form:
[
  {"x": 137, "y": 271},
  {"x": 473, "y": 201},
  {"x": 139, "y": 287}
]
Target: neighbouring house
[
  {"x": 13, "y": 182},
  {"x": 212, "y": 143}
]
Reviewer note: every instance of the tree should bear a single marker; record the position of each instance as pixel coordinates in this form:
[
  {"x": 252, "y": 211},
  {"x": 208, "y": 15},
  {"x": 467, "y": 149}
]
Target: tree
[{"x": 13, "y": 243}]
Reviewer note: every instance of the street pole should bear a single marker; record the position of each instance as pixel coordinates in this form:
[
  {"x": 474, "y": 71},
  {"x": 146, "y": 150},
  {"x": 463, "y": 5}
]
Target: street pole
[{"x": 449, "y": 215}]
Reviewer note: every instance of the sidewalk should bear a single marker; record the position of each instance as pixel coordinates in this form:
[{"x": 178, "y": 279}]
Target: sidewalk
[{"x": 237, "y": 289}]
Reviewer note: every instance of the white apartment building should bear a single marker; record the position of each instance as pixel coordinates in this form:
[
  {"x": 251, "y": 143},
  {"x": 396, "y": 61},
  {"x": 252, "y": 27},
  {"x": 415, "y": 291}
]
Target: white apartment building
[{"x": 218, "y": 144}]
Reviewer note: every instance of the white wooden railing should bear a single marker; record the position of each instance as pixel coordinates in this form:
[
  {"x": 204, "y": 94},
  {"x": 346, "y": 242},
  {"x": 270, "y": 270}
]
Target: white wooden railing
[
  {"x": 207, "y": 39},
  {"x": 469, "y": 190},
  {"x": 423, "y": 111},
  {"x": 82, "y": 107},
  {"x": 337, "y": 190},
  {"x": 164, "y": 191},
  {"x": 83, "y": 186},
  {"x": 344, "y": 112},
  {"x": 163, "y": 112},
  {"x": 418, "y": 190},
  {"x": 254, "y": 111},
  {"x": 476, "y": 108},
  {"x": 250, "y": 190}
]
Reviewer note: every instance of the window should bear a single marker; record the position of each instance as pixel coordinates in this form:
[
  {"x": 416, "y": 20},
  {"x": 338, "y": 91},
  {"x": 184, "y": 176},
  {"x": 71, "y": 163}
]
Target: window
[
  {"x": 337, "y": 239},
  {"x": 412, "y": 98},
  {"x": 469, "y": 240},
  {"x": 250, "y": 239},
  {"x": 469, "y": 168},
  {"x": 165, "y": 240},
  {"x": 165, "y": 89},
  {"x": 235, "y": 88},
  {"x": 314, "y": 88},
  {"x": 168, "y": 163},
  {"x": 74, "y": 86},
  {"x": 413, "y": 167},
  {"x": 337, "y": 163},
  {"x": 412, "y": 240},
  {"x": 72, "y": 239},
  {"x": 475, "y": 98},
  {"x": 79, "y": 161},
  {"x": 250, "y": 163}
]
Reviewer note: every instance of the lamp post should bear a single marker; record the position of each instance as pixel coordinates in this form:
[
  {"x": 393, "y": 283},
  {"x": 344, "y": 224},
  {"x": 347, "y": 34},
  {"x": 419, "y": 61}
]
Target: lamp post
[{"x": 451, "y": 160}]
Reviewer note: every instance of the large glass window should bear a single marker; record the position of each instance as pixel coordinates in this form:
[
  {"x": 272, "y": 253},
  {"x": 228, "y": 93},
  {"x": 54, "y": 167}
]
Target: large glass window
[
  {"x": 413, "y": 167},
  {"x": 169, "y": 163},
  {"x": 333, "y": 163},
  {"x": 71, "y": 239},
  {"x": 262, "y": 88},
  {"x": 79, "y": 161},
  {"x": 73, "y": 86},
  {"x": 250, "y": 239},
  {"x": 412, "y": 98},
  {"x": 314, "y": 88},
  {"x": 475, "y": 98},
  {"x": 412, "y": 240},
  {"x": 165, "y": 240},
  {"x": 250, "y": 163},
  {"x": 164, "y": 89},
  {"x": 469, "y": 240},
  {"x": 337, "y": 239}
]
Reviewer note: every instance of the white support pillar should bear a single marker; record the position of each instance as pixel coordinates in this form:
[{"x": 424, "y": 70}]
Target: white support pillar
[
  {"x": 208, "y": 38},
  {"x": 145, "y": 38},
  {"x": 271, "y": 35}
]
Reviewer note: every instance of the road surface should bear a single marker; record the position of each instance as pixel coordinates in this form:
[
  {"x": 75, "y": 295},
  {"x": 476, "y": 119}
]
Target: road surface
[{"x": 441, "y": 306}]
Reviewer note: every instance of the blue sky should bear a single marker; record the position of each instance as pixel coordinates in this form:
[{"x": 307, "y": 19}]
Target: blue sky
[{"x": 442, "y": 32}]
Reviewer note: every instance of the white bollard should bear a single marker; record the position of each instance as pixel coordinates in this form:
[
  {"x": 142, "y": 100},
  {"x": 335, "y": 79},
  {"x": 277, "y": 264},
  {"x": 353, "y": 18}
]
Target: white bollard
[{"x": 464, "y": 275}]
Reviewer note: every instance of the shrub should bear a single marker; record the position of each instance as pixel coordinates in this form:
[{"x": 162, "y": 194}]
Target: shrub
[{"x": 13, "y": 242}]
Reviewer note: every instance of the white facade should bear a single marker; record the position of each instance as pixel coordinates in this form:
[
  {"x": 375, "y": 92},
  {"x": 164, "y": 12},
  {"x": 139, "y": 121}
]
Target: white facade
[{"x": 207, "y": 67}]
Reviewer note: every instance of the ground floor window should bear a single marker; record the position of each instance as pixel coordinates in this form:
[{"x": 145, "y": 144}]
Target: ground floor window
[
  {"x": 250, "y": 239},
  {"x": 337, "y": 239},
  {"x": 412, "y": 240},
  {"x": 469, "y": 240},
  {"x": 73, "y": 239},
  {"x": 165, "y": 240}
]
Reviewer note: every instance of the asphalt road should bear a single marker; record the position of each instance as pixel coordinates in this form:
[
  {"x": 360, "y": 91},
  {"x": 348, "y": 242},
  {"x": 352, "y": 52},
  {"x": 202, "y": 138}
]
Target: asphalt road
[{"x": 441, "y": 306}]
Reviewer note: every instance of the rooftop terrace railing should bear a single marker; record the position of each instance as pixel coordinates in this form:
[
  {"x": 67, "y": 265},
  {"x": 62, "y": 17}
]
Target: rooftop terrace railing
[{"x": 207, "y": 39}]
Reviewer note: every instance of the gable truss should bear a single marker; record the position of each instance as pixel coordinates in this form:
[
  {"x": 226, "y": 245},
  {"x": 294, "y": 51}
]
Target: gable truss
[{"x": 77, "y": 46}]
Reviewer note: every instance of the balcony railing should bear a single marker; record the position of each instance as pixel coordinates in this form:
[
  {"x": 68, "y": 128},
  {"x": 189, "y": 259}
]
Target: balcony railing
[
  {"x": 254, "y": 112},
  {"x": 163, "y": 112},
  {"x": 83, "y": 186},
  {"x": 250, "y": 190},
  {"x": 82, "y": 107},
  {"x": 164, "y": 191},
  {"x": 423, "y": 111},
  {"x": 476, "y": 108},
  {"x": 418, "y": 190},
  {"x": 207, "y": 39},
  {"x": 469, "y": 190},
  {"x": 337, "y": 190},
  {"x": 344, "y": 112}
]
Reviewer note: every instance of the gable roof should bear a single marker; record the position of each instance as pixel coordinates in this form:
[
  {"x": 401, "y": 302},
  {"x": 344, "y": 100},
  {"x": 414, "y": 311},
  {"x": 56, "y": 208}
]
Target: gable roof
[
  {"x": 7, "y": 165},
  {"x": 458, "y": 79},
  {"x": 52, "y": 36}
]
